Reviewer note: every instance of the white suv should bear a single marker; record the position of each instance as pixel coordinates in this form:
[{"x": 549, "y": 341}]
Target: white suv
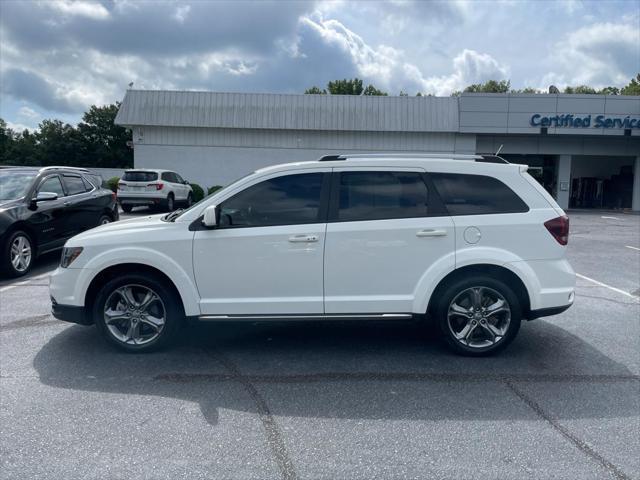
[
  {"x": 155, "y": 188},
  {"x": 473, "y": 246}
]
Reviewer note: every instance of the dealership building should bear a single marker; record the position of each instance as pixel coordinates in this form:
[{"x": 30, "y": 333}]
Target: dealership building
[{"x": 584, "y": 149}]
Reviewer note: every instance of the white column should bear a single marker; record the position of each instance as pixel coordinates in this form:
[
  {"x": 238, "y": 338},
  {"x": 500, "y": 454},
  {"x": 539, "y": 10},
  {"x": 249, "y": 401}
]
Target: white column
[
  {"x": 563, "y": 185},
  {"x": 635, "y": 203}
]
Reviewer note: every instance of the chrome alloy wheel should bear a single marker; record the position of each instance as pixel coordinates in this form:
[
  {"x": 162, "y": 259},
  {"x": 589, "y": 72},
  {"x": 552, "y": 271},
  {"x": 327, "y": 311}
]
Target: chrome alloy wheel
[
  {"x": 479, "y": 317},
  {"x": 20, "y": 253},
  {"x": 134, "y": 314}
]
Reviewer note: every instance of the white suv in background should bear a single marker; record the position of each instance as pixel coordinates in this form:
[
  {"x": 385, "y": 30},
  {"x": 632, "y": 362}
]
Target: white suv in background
[
  {"x": 473, "y": 246},
  {"x": 154, "y": 188}
]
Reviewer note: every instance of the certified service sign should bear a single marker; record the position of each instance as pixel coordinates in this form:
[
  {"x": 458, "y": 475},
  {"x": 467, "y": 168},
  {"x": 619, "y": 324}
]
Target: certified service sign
[{"x": 569, "y": 120}]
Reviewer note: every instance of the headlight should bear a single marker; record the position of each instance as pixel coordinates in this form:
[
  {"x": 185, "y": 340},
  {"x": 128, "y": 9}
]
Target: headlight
[{"x": 69, "y": 254}]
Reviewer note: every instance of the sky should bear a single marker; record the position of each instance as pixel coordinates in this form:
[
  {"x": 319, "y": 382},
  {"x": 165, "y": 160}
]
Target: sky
[{"x": 59, "y": 57}]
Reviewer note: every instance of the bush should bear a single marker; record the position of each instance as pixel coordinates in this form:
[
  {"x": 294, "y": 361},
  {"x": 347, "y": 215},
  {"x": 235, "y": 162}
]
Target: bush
[
  {"x": 198, "y": 193},
  {"x": 112, "y": 183},
  {"x": 213, "y": 189}
]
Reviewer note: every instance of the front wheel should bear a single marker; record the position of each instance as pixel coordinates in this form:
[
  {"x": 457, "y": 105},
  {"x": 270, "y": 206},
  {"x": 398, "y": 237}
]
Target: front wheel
[
  {"x": 137, "y": 312},
  {"x": 478, "y": 315},
  {"x": 17, "y": 254},
  {"x": 189, "y": 200}
]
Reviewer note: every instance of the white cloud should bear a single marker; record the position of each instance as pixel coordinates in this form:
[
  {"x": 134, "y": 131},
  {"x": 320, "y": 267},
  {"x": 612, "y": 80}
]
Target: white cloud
[
  {"x": 598, "y": 55},
  {"x": 374, "y": 63},
  {"x": 469, "y": 67},
  {"x": 26, "y": 112},
  {"x": 182, "y": 12},
  {"x": 93, "y": 10},
  {"x": 19, "y": 127}
]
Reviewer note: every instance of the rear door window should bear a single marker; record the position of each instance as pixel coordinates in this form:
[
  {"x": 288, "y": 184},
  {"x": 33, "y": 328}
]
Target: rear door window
[
  {"x": 140, "y": 176},
  {"x": 75, "y": 185},
  {"x": 380, "y": 195},
  {"x": 465, "y": 194}
]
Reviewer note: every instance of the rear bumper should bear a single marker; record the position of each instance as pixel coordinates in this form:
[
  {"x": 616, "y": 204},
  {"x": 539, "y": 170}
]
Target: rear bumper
[
  {"x": 140, "y": 199},
  {"x": 547, "y": 312},
  {"x": 70, "y": 313}
]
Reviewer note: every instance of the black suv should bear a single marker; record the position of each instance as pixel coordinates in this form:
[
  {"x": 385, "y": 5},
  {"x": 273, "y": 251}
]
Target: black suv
[{"x": 40, "y": 208}]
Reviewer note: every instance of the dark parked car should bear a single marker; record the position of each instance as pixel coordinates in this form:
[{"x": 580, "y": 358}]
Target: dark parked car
[{"x": 40, "y": 208}]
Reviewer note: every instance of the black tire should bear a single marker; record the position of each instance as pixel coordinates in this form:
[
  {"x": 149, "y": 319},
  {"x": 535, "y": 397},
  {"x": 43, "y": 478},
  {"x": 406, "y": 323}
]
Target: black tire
[
  {"x": 170, "y": 204},
  {"x": 168, "y": 301},
  {"x": 127, "y": 208},
  {"x": 493, "y": 289},
  {"x": 189, "y": 200},
  {"x": 104, "y": 219},
  {"x": 6, "y": 265}
]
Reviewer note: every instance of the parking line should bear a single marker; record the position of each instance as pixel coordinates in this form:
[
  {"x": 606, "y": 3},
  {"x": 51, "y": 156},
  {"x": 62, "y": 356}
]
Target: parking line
[
  {"x": 609, "y": 218},
  {"x": 632, "y": 248},
  {"x": 24, "y": 282},
  {"x": 608, "y": 286}
]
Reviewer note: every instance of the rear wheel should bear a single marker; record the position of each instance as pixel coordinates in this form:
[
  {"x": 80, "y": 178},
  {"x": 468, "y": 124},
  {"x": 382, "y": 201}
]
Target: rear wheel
[
  {"x": 170, "y": 203},
  {"x": 126, "y": 208},
  {"x": 478, "y": 315},
  {"x": 104, "y": 219},
  {"x": 137, "y": 312},
  {"x": 17, "y": 254},
  {"x": 189, "y": 200}
]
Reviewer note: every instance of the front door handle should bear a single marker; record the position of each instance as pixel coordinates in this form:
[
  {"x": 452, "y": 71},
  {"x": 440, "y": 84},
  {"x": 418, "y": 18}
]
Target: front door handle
[
  {"x": 431, "y": 233},
  {"x": 303, "y": 238}
]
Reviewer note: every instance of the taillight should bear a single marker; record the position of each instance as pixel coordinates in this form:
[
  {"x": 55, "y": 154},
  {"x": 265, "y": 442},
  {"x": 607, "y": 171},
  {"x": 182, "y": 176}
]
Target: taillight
[
  {"x": 559, "y": 228},
  {"x": 157, "y": 185}
]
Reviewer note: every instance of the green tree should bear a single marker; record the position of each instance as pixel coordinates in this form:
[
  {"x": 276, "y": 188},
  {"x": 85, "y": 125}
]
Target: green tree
[
  {"x": 580, "y": 89},
  {"x": 6, "y": 141},
  {"x": 373, "y": 91},
  {"x": 315, "y": 91},
  {"x": 103, "y": 143},
  {"x": 490, "y": 86},
  {"x": 57, "y": 144},
  {"x": 345, "y": 87},
  {"x": 527, "y": 90},
  {"x": 610, "y": 91},
  {"x": 633, "y": 88}
]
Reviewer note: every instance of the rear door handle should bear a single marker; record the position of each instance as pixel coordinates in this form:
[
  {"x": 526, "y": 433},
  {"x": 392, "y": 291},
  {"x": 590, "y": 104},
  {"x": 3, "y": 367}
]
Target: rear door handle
[
  {"x": 67, "y": 203},
  {"x": 431, "y": 233},
  {"x": 303, "y": 238}
]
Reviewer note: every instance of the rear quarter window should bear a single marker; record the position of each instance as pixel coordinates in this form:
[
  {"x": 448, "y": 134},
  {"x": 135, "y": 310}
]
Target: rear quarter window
[
  {"x": 139, "y": 176},
  {"x": 464, "y": 194}
]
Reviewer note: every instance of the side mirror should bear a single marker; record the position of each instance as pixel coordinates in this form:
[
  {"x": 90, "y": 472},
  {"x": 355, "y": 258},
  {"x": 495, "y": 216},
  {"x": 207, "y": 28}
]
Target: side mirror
[
  {"x": 46, "y": 196},
  {"x": 185, "y": 182},
  {"x": 210, "y": 218}
]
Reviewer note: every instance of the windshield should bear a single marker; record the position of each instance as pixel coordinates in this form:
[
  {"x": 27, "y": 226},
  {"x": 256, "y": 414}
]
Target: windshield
[
  {"x": 172, "y": 216},
  {"x": 14, "y": 185},
  {"x": 140, "y": 176}
]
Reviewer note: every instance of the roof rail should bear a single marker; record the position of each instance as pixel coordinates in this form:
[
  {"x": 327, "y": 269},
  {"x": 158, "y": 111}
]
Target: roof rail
[
  {"x": 331, "y": 158},
  {"x": 491, "y": 159},
  {"x": 446, "y": 156},
  {"x": 439, "y": 156},
  {"x": 54, "y": 167}
]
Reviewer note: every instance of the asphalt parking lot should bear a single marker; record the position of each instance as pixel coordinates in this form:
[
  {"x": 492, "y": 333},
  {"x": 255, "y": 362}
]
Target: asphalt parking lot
[{"x": 327, "y": 400}]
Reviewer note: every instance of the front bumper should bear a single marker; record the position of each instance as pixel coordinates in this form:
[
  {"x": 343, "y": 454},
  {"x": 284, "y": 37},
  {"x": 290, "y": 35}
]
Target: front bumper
[{"x": 70, "y": 313}]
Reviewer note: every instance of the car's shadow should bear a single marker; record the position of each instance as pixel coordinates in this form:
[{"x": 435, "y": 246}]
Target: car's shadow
[{"x": 344, "y": 370}]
